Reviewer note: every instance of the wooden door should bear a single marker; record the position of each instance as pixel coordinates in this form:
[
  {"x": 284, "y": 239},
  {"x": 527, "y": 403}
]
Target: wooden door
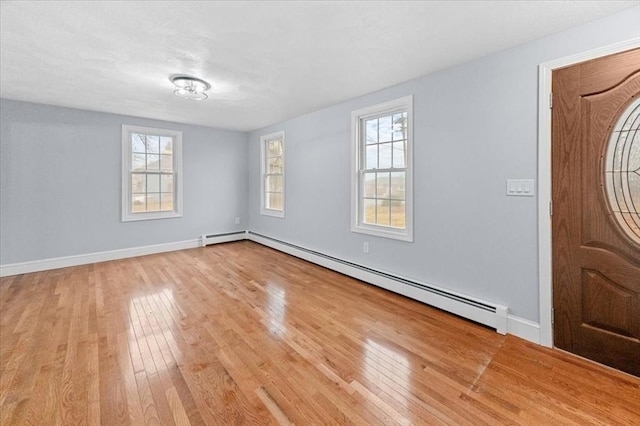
[{"x": 596, "y": 249}]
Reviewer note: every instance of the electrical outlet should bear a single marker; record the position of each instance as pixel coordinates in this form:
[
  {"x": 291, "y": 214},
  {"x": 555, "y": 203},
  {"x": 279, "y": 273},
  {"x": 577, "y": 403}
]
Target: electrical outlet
[
  {"x": 365, "y": 247},
  {"x": 237, "y": 220}
]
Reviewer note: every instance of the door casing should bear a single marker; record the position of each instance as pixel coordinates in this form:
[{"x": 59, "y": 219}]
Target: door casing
[{"x": 544, "y": 177}]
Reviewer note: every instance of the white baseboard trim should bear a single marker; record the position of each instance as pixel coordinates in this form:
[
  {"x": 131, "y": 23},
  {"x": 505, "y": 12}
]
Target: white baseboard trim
[
  {"x": 524, "y": 329},
  {"x": 103, "y": 256},
  {"x": 480, "y": 311},
  {"x": 489, "y": 314},
  {"x": 83, "y": 259}
]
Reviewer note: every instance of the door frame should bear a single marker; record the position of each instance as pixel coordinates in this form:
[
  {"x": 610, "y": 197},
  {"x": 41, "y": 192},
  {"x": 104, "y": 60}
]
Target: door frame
[{"x": 545, "y": 267}]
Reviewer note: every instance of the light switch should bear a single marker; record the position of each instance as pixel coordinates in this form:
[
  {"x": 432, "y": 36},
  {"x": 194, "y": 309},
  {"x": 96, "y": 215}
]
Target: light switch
[{"x": 520, "y": 187}]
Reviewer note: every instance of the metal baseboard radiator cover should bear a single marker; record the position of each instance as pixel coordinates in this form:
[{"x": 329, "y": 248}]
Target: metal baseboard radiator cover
[
  {"x": 483, "y": 312},
  {"x": 222, "y": 238}
]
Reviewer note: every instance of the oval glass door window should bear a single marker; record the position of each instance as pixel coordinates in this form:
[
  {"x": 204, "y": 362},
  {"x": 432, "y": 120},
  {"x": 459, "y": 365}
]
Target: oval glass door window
[{"x": 622, "y": 171}]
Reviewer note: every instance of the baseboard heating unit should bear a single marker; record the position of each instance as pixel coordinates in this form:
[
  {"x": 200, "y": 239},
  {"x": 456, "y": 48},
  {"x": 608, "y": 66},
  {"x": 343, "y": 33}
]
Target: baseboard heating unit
[
  {"x": 491, "y": 315},
  {"x": 480, "y": 311},
  {"x": 206, "y": 240}
]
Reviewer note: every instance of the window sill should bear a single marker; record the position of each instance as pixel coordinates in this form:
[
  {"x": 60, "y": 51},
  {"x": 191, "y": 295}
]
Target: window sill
[
  {"x": 272, "y": 213},
  {"x": 384, "y": 233},
  {"x": 133, "y": 217}
]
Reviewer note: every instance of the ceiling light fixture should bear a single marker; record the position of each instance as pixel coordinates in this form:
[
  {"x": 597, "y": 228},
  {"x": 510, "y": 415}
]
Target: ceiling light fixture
[{"x": 190, "y": 87}]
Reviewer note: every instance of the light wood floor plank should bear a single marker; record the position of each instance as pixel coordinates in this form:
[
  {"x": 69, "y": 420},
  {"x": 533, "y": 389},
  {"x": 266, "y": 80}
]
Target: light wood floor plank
[{"x": 241, "y": 334}]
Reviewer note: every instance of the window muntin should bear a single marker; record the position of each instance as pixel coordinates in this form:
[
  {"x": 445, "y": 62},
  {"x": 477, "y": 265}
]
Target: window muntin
[
  {"x": 272, "y": 174},
  {"x": 381, "y": 191},
  {"x": 151, "y": 173}
]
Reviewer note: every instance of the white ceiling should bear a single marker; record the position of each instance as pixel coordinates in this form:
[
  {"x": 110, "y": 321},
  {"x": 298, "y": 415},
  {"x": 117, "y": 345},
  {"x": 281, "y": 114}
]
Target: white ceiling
[{"x": 266, "y": 61}]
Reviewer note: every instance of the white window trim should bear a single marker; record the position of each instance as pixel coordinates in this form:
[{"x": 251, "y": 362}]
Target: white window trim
[
  {"x": 357, "y": 120},
  {"x": 263, "y": 139},
  {"x": 127, "y": 215}
]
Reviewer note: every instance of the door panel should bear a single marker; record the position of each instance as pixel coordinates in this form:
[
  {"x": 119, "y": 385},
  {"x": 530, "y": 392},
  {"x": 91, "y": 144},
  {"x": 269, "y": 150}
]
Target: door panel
[
  {"x": 608, "y": 306},
  {"x": 596, "y": 265}
]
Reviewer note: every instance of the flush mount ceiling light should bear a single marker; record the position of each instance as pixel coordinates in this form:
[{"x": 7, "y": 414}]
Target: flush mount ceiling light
[{"x": 190, "y": 87}]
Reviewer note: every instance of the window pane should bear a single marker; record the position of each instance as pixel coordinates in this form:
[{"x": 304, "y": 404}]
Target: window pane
[
  {"x": 382, "y": 212},
  {"x": 153, "y": 183},
  {"x": 138, "y": 162},
  {"x": 153, "y": 162},
  {"x": 369, "y": 210},
  {"x": 153, "y": 144},
  {"x": 166, "y": 162},
  {"x": 399, "y": 155},
  {"x": 138, "y": 183},
  {"x": 370, "y": 185},
  {"x": 632, "y": 193},
  {"x": 385, "y": 156},
  {"x": 166, "y": 183},
  {"x": 382, "y": 187},
  {"x": 166, "y": 202},
  {"x": 274, "y": 165},
  {"x": 622, "y": 167},
  {"x": 634, "y": 153},
  {"x": 614, "y": 151},
  {"x": 399, "y": 126},
  {"x": 274, "y": 201},
  {"x": 274, "y": 183},
  {"x": 137, "y": 143},
  {"x": 384, "y": 129},
  {"x": 166, "y": 145},
  {"x": 274, "y": 148},
  {"x": 153, "y": 202},
  {"x": 138, "y": 203},
  {"x": 371, "y": 161},
  {"x": 398, "y": 185},
  {"x": 398, "y": 214},
  {"x": 371, "y": 131},
  {"x": 631, "y": 120}
]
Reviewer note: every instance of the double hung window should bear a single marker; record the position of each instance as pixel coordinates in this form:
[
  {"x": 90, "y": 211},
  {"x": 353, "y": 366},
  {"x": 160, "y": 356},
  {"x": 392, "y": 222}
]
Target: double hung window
[
  {"x": 272, "y": 174},
  {"x": 151, "y": 173},
  {"x": 382, "y": 170}
]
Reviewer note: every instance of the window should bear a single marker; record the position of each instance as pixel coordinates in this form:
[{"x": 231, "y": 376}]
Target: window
[
  {"x": 272, "y": 174},
  {"x": 622, "y": 172},
  {"x": 382, "y": 177},
  {"x": 151, "y": 173}
]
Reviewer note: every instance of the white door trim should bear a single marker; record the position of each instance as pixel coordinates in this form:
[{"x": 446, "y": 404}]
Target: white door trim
[{"x": 544, "y": 175}]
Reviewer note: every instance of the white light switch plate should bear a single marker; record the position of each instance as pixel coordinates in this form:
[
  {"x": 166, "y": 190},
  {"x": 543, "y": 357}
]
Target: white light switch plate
[{"x": 520, "y": 187}]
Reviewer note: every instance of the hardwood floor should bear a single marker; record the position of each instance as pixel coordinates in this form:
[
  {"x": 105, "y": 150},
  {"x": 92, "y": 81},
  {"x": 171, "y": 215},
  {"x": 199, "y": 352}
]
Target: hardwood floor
[{"x": 241, "y": 334}]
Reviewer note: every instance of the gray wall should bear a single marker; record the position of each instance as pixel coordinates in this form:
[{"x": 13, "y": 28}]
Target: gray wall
[
  {"x": 60, "y": 183},
  {"x": 475, "y": 126}
]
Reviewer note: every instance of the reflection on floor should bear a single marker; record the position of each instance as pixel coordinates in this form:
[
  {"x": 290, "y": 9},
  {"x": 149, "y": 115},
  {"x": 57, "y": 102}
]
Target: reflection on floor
[{"x": 241, "y": 334}]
